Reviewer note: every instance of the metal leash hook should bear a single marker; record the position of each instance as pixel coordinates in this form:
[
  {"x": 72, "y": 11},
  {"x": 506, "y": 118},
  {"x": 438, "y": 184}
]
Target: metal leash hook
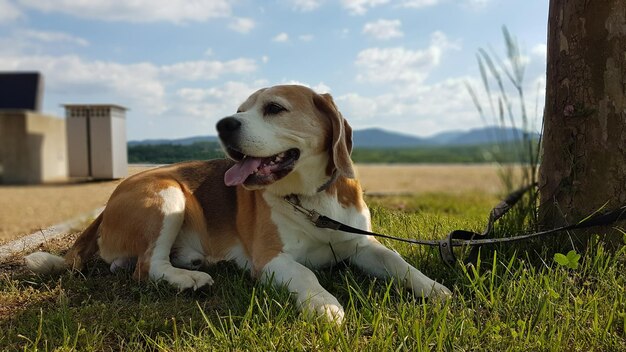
[
  {"x": 454, "y": 239},
  {"x": 312, "y": 215},
  {"x": 445, "y": 251}
]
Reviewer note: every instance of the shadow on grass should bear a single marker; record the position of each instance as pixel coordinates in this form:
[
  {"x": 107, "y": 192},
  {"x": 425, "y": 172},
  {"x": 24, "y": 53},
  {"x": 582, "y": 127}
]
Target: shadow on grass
[{"x": 98, "y": 308}]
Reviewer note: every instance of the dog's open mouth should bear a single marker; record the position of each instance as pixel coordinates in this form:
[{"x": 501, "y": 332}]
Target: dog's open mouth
[{"x": 259, "y": 171}]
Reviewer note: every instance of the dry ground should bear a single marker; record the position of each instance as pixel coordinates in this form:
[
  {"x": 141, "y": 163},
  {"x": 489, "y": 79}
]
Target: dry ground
[
  {"x": 431, "y": 178},
  {"x": 26, "y": 209}
]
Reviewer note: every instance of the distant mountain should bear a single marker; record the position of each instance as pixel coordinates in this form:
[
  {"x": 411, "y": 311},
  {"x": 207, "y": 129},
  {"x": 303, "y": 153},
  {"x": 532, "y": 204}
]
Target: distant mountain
[
  {"x": 484, "y": 135},
  {"x": 444, "y": 138},
  {"x": 181, "y": 141},
  {"x": 380, "y": 138}
]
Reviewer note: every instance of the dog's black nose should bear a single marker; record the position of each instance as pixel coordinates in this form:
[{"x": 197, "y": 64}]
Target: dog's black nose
[{"x": 228, "y": 125}]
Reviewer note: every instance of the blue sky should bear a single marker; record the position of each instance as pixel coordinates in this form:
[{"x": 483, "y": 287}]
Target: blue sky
[{"x": 180, "y": 65}]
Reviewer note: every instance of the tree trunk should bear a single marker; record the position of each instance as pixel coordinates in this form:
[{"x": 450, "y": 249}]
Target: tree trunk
[{"x": 584, "y": 137}]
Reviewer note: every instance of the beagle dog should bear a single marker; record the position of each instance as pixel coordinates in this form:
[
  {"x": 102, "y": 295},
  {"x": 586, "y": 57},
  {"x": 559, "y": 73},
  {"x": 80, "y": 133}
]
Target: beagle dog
[{"x": 283, "y": 141}]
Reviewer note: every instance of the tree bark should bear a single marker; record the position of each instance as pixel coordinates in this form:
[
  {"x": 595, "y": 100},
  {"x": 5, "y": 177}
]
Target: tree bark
[{"x": 584, "y": 139}]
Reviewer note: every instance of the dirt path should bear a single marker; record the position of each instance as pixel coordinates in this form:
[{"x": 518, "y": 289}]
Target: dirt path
[{"x": 26, "y": 209}]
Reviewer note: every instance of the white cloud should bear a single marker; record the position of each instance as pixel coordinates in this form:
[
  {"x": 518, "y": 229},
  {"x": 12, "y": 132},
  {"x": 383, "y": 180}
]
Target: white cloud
[
  {"x": 221, "y": 100},
  {"x": 234, "y": 92},
  {"x": 408, "y": 101},
  {"x": 395, "y": 64},
  {"x": 242, "y": 25},
  {"x": 399, "y": 64},
  {"x": 21, "y": 41},
  {"x": 177, "y": 11},
  {"x": 192, "y": 94},
  {"x": 320, "y": 88},
  {"x": 534, "y": 93},
  {"x": 135, "y": 85},
  {"x": 383, "y": 29},
  {"x": 281, "y": 37},
  {"x": 540, "y": 50},
  {"x": 52, "y": 37},
  {"x": 477, "y": 4},
  {"x": 8, "y": 12},
  {"x": 416, "y": 4},
  {"x": 420, "y": 108},
  {"x": 306, "y": 37},
  {"x": 206, "y": 70},
  {"x": 211, "y": 104},
  {"x": 535, "y": 100},
  {"x": 360, "y": 7},
  {"x": 440, "y": 40},
  {"x": 265, "y": 59},
  {"x": 358, "y": 108},
  {"x": 141, "y": 86},
  {"x": 305, "y": 5}
]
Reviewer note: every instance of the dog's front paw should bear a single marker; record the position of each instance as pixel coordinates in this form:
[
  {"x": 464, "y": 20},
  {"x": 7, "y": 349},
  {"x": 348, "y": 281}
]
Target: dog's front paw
[
  {"x": 325, "y": 307},
  {"x": 439, "y": 291},
  {"x": 333, "y": 313},
  {"x": 186, "y": 279}
]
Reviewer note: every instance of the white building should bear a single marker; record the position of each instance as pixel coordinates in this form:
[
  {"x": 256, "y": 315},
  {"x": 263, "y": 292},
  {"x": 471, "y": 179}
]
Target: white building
[{"x": 96, "y": 140}]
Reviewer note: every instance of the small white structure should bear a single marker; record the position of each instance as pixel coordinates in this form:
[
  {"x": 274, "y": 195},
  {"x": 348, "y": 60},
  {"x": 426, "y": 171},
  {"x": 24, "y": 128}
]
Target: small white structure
[{"x": 96, "y": 140}]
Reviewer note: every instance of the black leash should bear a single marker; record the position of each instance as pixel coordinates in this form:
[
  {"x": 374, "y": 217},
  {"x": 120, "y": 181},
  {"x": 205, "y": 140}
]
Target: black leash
[{"x": 461, "y": 238}]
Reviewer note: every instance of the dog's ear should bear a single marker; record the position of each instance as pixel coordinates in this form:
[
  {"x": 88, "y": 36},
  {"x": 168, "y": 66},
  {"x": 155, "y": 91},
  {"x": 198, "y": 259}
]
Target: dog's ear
[{"x": 341, "y": 140}]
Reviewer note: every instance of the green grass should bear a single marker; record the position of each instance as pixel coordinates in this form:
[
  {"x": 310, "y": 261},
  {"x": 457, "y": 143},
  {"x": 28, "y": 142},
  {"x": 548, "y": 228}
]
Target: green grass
[
  {"x": 506, "y": 152},
  {"x": 505, "y": 302}
]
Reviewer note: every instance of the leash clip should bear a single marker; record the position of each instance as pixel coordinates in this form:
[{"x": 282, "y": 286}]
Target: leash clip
[
  {"x": 456, "y": 239},
  {"x": 312, "y": 215},
  {"x": 445, "y": 251},
  {"x": 317, "y": 219}
]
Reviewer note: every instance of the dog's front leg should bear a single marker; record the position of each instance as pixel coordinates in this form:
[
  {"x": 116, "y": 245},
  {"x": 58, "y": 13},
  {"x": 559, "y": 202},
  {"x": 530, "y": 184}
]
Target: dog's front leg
[
  {"x": 311, "y": 297},
  {"x": 380, "y": 261}
]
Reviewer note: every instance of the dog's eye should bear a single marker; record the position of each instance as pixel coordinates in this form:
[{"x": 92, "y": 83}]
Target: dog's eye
[{"x": 273, "y": 109}]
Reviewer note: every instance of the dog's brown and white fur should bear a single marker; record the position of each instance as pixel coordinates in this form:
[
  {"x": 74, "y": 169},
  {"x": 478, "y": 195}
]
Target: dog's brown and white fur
[{"x": 173, "y": 220}]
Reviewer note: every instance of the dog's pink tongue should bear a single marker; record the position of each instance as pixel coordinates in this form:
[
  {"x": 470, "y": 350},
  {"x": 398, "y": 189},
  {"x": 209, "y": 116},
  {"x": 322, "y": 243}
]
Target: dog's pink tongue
[{"x": 239, "y": 172}]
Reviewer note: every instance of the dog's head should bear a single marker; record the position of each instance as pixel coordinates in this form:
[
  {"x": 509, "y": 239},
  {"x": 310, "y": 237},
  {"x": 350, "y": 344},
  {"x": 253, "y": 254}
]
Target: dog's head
[{"x": 287, "y": 139}]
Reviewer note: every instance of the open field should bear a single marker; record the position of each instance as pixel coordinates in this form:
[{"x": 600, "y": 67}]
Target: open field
[
  {"x": 433, "y": 178},
  {"x": 26, "y": 209}
]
